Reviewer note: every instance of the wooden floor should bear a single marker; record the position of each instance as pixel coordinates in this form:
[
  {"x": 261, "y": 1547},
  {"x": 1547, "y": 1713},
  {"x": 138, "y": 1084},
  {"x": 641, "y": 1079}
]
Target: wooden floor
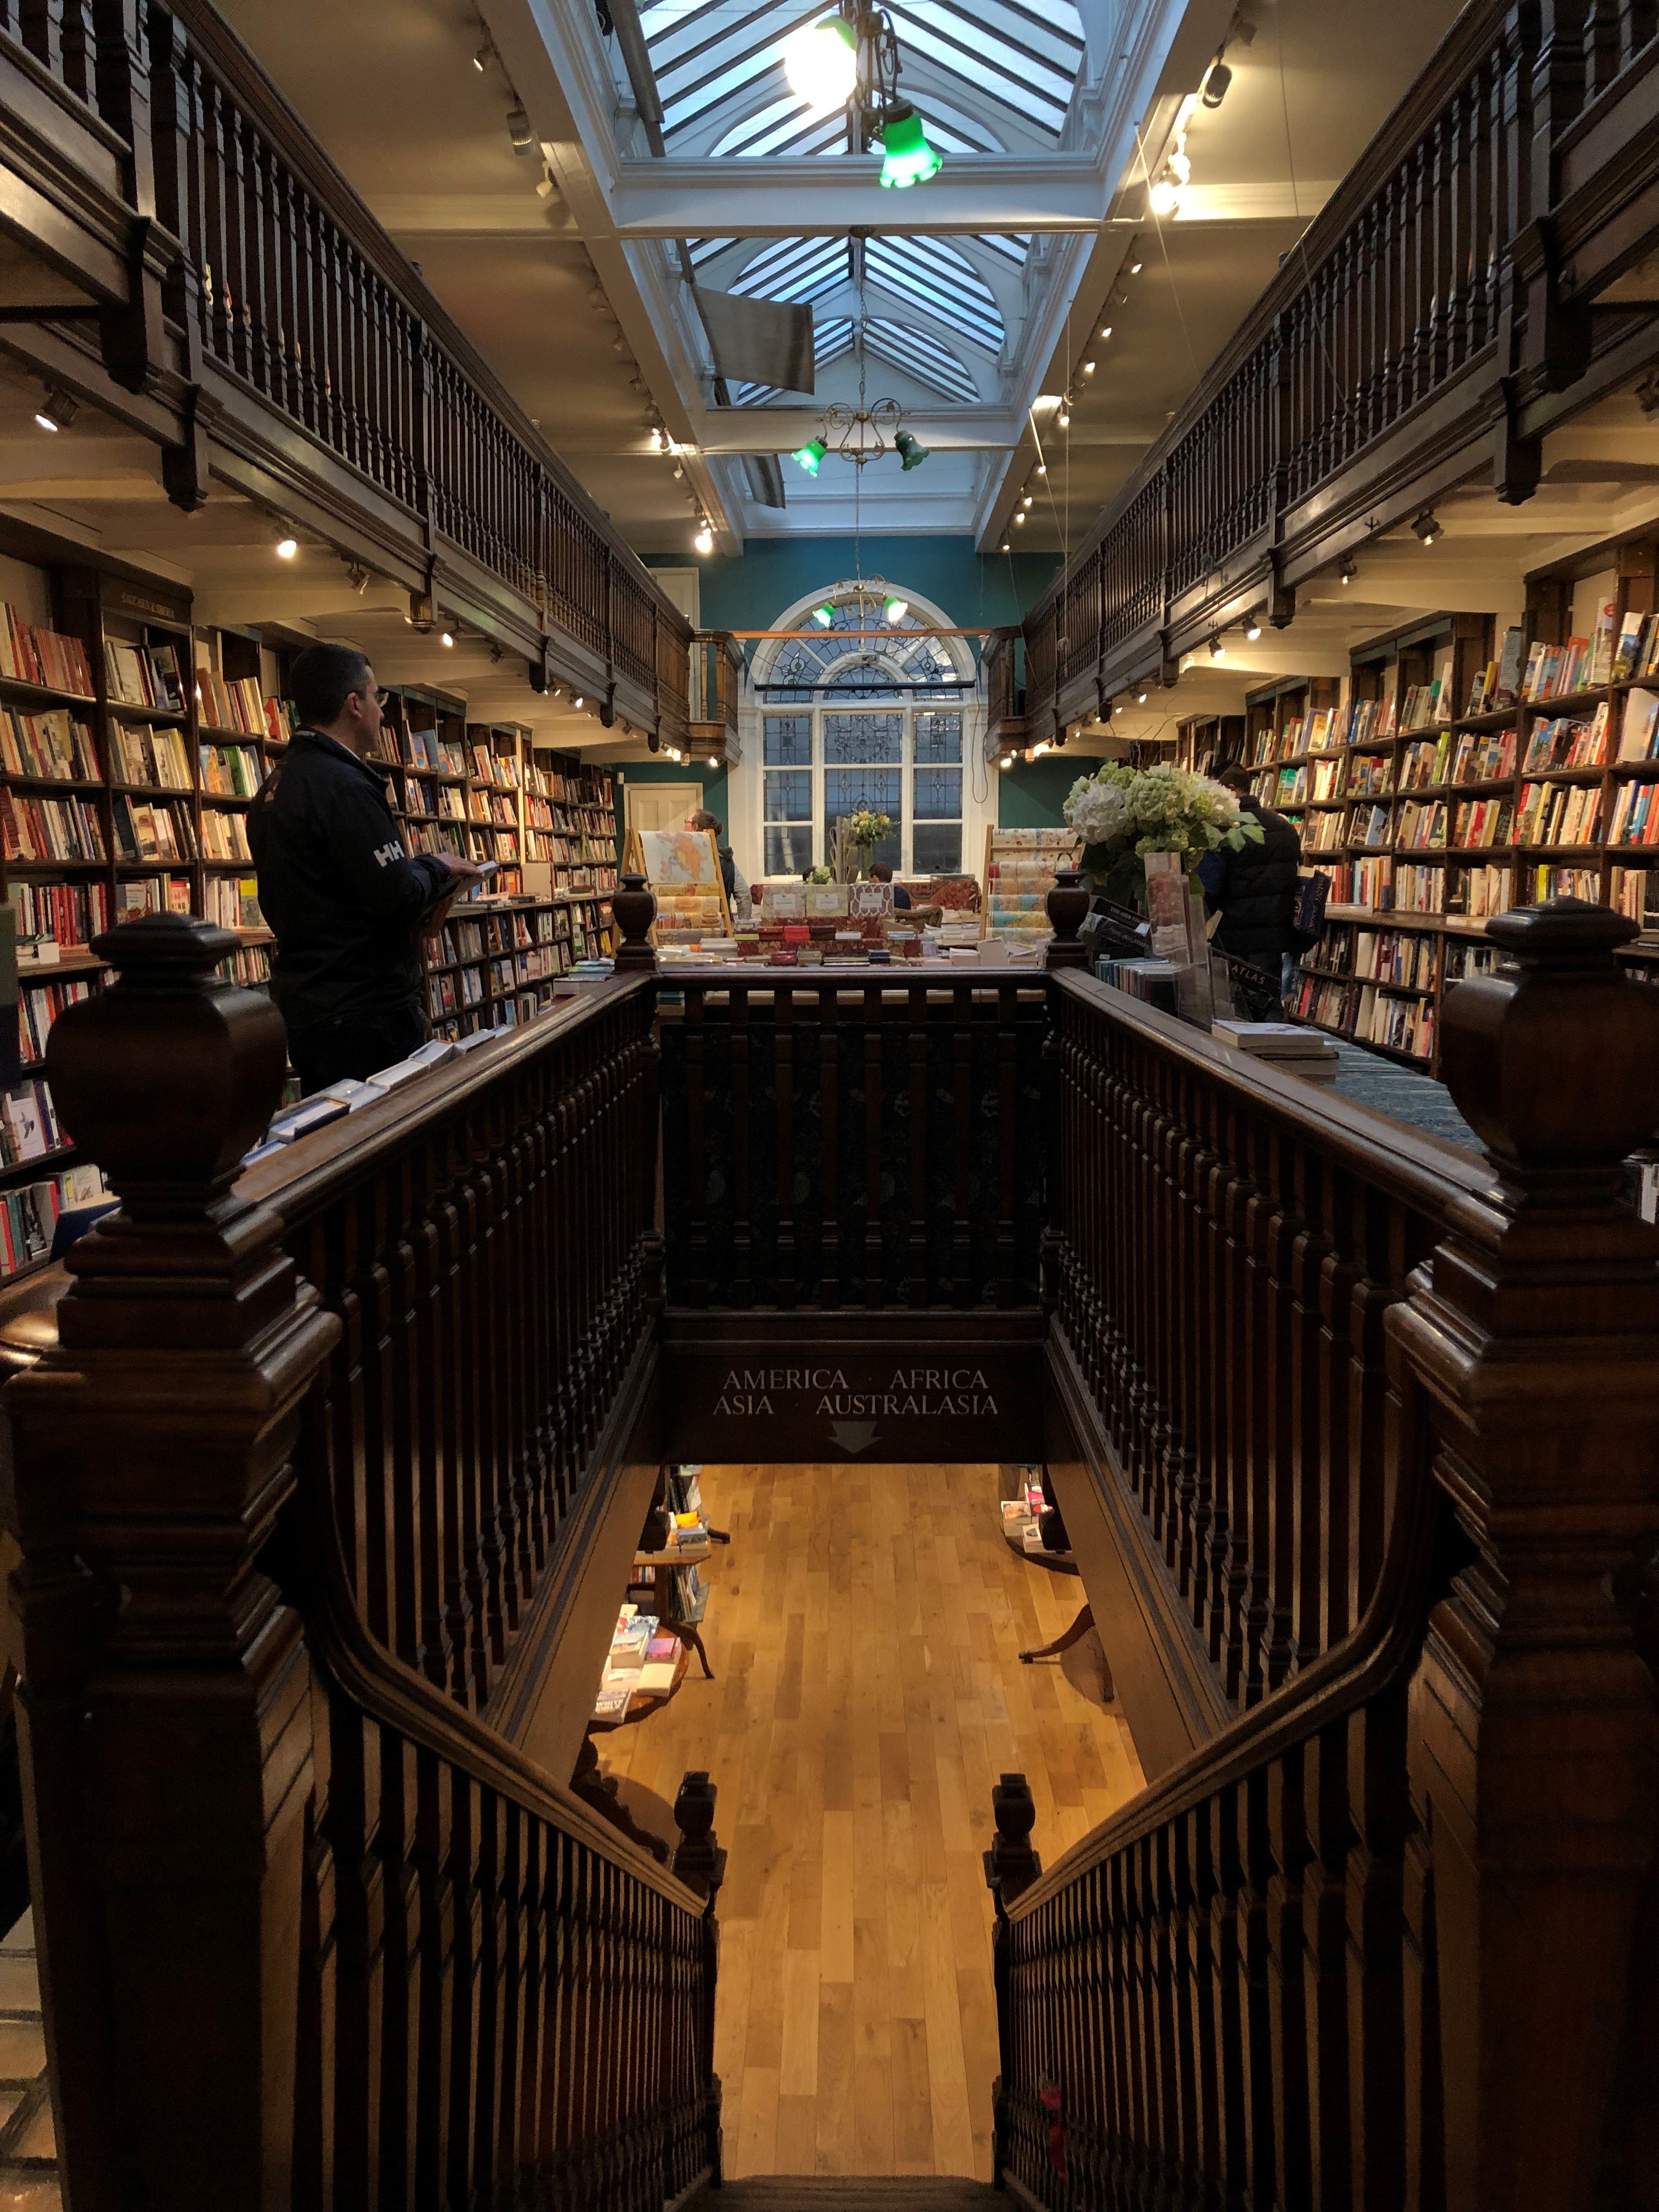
[{"x": 864, "y": 1627}]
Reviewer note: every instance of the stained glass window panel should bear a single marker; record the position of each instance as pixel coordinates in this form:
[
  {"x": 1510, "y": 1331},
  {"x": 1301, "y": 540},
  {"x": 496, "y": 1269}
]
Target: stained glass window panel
[
  {"x": 789, "y": 794},
  {"x": 938, "y": 794},
  {"x": 862, "y": 740},
  {"x": 881, "y": 789},
  {"x": 938, "y": 848},
  {"x": 789, "y": 848},
  {"x": 938, "y": 739},
  {"x": 789, "y": 743}
]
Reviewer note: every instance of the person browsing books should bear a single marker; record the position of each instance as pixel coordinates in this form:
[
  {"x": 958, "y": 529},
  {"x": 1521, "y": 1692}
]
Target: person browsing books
[
  {"x": 346, "y": 901},
  {"x": 1253, "y": 889},
  {"x": 738, "y": 894},
  {"x": 881, "y": 872}
]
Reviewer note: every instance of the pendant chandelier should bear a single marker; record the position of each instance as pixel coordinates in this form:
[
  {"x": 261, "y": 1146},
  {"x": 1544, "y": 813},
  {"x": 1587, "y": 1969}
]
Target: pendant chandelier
[
  {"x": 851, "y": 59},
  {"x": 864, "y": 433}
]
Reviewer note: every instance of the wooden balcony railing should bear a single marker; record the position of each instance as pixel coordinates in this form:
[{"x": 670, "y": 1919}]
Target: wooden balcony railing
[
  {"x": 1005, "y": 690},
  {"x": 717, "y": 674},
  {"x": 1439, "y": 312},
  {"x": 1392, "y": 1422},
  {"x": 312, "y": 1931},
  {"x": 252, "y": 296},
  {"x": 866, "y": 1139}
]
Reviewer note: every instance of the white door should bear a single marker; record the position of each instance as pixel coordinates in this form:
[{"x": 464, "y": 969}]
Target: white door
[{"x": 661, "y": 806}]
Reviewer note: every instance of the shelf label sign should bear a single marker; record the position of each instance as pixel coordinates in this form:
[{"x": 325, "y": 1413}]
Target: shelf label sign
[{"x": 896, "y": 1405}]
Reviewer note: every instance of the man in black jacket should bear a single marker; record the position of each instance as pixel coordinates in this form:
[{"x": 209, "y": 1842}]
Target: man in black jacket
[
  {"x": 348, "y": 903},
  {"x": 1254, "y": 887}
]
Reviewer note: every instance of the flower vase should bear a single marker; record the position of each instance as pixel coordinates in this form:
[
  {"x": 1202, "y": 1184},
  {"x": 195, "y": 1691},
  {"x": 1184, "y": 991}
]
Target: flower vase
[{"x": 866, "y": 854}]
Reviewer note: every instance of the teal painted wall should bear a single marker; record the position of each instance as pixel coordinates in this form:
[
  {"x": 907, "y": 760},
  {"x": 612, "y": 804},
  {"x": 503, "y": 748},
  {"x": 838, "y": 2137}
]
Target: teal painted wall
[
  {"x": 1030, "y": 796},
  {"x": 748, "y": 592}
]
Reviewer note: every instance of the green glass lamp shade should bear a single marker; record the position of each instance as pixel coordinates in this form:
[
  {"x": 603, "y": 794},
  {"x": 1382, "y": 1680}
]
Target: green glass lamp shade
[
  {"x": 809, "y": 455},
  {"x": 907, "y": 157},
  {"x": 910, "y": 453},
  {"x": 824, "y": 616}
]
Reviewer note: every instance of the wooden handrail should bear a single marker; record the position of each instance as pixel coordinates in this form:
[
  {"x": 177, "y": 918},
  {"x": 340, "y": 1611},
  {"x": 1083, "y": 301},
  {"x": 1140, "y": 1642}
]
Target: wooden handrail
[
  {"x": 325, "y": 1942},
  {"x": 1323, "y": 1953}
]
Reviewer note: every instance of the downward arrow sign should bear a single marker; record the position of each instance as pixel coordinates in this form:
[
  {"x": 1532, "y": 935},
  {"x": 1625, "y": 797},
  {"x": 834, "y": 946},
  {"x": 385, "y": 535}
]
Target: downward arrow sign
[{"x": 853, "y": 1437}]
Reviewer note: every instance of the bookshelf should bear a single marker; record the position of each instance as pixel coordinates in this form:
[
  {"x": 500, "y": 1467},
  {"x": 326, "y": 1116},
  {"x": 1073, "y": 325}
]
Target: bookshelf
[{"x": 570, "y": 822}]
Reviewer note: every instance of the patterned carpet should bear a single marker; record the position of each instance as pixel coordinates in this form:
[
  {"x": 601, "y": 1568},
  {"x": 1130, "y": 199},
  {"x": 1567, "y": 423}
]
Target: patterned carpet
[{"x": 1401, "y": 1093}]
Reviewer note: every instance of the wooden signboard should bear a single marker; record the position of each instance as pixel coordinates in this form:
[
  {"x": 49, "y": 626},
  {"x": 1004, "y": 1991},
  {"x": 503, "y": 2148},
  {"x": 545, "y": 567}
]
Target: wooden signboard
[{"x": 806, "y": 1388}]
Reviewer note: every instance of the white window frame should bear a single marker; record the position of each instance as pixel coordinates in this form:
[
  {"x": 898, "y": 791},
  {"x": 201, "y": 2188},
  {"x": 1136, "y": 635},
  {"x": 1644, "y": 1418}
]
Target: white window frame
[{"x": 747, "y": 785}]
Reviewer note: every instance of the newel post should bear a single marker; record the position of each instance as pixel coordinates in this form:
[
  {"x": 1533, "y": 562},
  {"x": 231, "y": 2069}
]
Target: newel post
[
  {"x": 165, "y": 1721},
  {"x": 1533, "y": 1339},
  {"x": 1067, "y": 906},
  {"x": 633, "y": 908},
  {"x": 1011, "y": 1867}
]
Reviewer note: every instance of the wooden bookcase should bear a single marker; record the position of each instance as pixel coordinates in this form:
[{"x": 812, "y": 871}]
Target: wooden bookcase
[
  {"x": 1208, "y": 743},
  {"x": 145, "y": 809}
]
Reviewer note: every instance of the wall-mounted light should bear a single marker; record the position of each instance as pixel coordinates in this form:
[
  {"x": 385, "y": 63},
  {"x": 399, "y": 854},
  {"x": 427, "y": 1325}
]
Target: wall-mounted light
[
  {"x": 1253, "y": 628},
  {"x": 1428, "y": 528},
  {"x": 286, "y": 547},
  {"x": 1217, "y": 651},
  {"x": 56, "y": 410}
]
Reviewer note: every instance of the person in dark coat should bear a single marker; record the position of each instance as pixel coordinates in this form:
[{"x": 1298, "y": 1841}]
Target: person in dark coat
[
  {"x": 1254, "y": 887},
  {"x": 881, "y": 872}
]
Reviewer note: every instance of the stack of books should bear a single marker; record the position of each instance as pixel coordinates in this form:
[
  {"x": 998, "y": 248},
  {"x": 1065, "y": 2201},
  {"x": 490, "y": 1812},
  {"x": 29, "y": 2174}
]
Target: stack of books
[
  {"x": 644, "y": 1657},
  {"x": 1298, "y": 1051}
]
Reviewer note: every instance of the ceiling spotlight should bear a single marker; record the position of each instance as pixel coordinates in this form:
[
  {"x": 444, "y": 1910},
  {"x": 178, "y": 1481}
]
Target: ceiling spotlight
[
  {"x": 1140, "y": 696},
  {"x": 1253, "y": 628},
  {"x": 546, "y": 187},
  {"x": 656, "y": 441},
  {"x": 809, "y": 456},
  {"x": 821, "y": 62},
  {"x": 1163, "y": 198},
  {"x": 1064, "y": 418},
  {"x": 579, "y": 701},
  {"x": 906, "y": 156},
  {"x": 357, "y": 577},
  {"x": 1428, "y": 528},
  {"x": 1088, "y": 369},
  {"x": 679, "y": 473},
  {"x": 1027, "y": 500},
  {"x": 1135, "y": 268},
  {"x": 1347, "y": 572},
  {"x": 56, "y": 410},
  {"x": 910, "y": 453},
  {"x": 896, "y": 610},
  {"x": 1105, "y": 330},
  {"x": 1019, "y": 518},
  {"x": 286, "y": 548},
  {"x": 1039, "y": 749},
  {"x": 1215, "y": 85},
  {"x": 519, "y": 129},
  {"x": 446, "y": 637},
  {"x": 1217, "y": 651},
  {"x": 1042, "y": 468},
  {"x": 1007, "y": 760},
  {"x": 704, "y": 540},
  {"x": 1003, "y": 548}
]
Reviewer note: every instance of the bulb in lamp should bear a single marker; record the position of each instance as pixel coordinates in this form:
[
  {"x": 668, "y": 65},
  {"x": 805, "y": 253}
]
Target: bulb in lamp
[
  {"x": 906, "y": 156},
  {"x": 809, "y": 455},
  {"x": 896, "y": 610},
  {"x": 1164, "y": 197},
  {"x": 287, "y": 548},
  {"x": 822, "y": 63},
  {"x": 704, "y": 540}
]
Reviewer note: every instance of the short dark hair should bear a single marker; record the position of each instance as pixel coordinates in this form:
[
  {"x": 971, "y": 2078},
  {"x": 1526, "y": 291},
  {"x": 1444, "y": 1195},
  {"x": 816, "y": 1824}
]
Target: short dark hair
[
  {"x": 322, "y": 678},
  {"x": 881, "y": 872},
  {"x": 703, "y": 819},
  {"x": 1233, "y": 777}
]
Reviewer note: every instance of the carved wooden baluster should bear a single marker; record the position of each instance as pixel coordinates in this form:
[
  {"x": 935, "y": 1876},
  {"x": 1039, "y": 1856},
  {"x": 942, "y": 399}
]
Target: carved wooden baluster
[
  {"x": 829, "y": 1125},
  {"x": 151, "y": 1457},
  {"x": 916, "y": 1105},
  {"x": 742, "y": 1292},
  {"x": 875, "y": 1278}
]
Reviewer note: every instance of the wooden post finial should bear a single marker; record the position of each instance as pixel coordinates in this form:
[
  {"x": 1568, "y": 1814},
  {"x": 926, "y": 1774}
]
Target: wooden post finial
[
  {"x": 1011, "y": 1864},
  {"x": 1553, "y": 1061},
  {"x": 1068, "y": 909},
  {"x": 699, "y": 1862},
  {"x": 634, "y": 908},
  {"x": 165, "y": 1080}
]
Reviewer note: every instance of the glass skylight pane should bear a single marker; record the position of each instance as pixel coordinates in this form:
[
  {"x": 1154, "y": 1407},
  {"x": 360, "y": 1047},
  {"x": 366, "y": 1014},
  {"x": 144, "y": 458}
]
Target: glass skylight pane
[
  {"x": 1020, "y": 84},
  {"x": 1020, "y": 33}
]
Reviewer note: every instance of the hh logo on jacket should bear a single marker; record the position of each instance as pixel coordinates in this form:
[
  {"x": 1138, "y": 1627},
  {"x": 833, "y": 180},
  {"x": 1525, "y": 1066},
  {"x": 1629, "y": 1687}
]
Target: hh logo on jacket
[{"x": 387, "y": 853}]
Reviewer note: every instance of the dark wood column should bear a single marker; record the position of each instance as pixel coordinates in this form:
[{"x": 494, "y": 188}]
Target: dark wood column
[
  {"x": 1533, "y": 1748},
  {"x": 165, "y": 1707}
]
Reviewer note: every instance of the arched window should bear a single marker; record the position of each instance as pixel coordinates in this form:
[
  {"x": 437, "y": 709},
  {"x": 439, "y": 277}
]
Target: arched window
[{"x": 868, "y": 710}]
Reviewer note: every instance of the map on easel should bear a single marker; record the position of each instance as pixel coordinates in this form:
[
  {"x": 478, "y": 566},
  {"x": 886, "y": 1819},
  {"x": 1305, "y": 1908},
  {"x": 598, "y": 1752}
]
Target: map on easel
[{"x": 683, "y": 868}]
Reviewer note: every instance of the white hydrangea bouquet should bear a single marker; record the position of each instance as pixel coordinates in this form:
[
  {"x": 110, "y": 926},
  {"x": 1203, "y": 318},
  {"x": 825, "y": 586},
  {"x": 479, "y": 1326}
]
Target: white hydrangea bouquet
[{"x": 1121, "y": 814}]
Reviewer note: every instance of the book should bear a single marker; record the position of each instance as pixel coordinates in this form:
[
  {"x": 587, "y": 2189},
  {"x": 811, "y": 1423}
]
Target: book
[{"x": 1271, "y": 1040}]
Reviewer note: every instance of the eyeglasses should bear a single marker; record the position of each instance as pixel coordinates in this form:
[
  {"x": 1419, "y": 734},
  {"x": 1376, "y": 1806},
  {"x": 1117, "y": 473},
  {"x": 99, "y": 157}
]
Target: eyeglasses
[{"x": 382, "y": 696}]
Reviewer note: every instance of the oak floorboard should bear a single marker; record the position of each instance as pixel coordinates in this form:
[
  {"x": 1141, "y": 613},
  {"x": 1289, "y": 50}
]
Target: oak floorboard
[{"x": 864, "y": 1626}]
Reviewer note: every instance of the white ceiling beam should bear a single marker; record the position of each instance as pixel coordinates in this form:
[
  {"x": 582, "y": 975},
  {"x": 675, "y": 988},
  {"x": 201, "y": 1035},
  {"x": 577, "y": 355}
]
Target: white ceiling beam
[{"x": 810, "y": 194}]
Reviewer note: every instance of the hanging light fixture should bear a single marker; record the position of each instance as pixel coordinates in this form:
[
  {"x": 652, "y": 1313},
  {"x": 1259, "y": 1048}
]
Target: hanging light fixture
[
  {"x": 825, "y": 616},
  {"x": 809, "y": 456},
  {"x": 896, "y": 610},
  {"x": 906, "y": 158},
  {"x": 911, "y": 452},
  {"x": 821, "y": 62}
]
